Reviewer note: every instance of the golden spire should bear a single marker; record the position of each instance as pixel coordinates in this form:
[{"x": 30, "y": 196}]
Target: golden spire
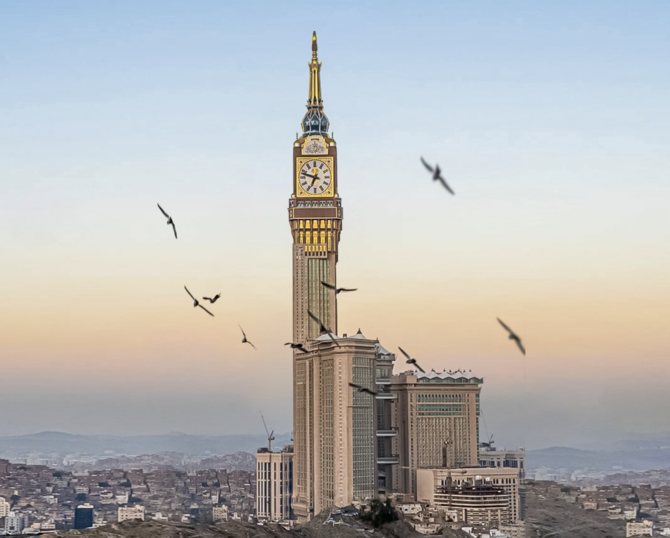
[
  {"x": 314, "y": 99},
  {"x": 315, "y": 121}
]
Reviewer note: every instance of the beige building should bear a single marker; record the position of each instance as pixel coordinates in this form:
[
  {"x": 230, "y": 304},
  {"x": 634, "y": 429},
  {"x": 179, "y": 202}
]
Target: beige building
[
  {"x": 481, "y": 496},
  {"x": 274, "y": 484},
  {"x": 4, "y": 507},
  {"x": 437, "y": 417},
  {"x": 131, "y": 512},
  {"x": 337, "y": 424},
  {"x": 639, "y": 528},
  {"x": 219, "y": 513}
]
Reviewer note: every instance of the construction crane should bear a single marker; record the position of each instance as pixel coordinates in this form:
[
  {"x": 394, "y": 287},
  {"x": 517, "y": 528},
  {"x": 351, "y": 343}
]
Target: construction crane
[{"x": 271, "y": 436}]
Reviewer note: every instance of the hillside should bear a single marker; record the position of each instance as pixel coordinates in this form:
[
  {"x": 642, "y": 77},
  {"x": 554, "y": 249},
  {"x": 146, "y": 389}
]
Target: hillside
[
  {"x": 547, "y": 514},
  {"x": 235, "y": 529}
]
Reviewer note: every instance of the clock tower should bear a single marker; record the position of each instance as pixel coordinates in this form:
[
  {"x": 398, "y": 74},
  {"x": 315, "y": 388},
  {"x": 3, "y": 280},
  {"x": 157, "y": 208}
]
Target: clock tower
[{"x": 315, "y": 216}]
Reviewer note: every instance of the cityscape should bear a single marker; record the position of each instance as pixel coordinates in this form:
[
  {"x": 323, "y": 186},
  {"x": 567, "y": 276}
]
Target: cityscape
[{"x": 336, "y": 394}]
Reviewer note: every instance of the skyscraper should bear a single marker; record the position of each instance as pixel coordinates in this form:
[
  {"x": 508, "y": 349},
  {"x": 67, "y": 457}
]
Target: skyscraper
[
  {"x": 437, "y": 416},
  {"x": 334, "y": 429}
]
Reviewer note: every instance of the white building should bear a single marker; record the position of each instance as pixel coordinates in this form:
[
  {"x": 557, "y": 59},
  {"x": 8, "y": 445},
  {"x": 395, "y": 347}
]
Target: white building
[
  {"x": 131, "y": 512},
  {"x": 515, "y": 459},
  {"x": 15, "y": 523}
]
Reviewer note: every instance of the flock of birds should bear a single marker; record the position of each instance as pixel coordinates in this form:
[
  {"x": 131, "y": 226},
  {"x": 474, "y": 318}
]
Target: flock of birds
[{"x": 323, "y": 329}]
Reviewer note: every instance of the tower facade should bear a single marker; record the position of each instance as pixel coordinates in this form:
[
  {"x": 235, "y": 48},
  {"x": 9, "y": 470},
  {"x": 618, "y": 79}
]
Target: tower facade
[{"x": 315, "y": 215}]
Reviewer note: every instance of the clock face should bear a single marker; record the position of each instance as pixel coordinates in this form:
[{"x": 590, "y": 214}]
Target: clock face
[{"x": 315, "y": 176}]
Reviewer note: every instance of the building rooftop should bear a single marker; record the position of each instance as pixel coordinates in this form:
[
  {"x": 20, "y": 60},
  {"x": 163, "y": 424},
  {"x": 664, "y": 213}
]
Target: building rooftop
[{"x": 453, "y": 376}]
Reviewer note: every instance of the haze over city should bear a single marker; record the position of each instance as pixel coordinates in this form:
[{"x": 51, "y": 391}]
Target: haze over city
[{"x": 550, "y": 122}]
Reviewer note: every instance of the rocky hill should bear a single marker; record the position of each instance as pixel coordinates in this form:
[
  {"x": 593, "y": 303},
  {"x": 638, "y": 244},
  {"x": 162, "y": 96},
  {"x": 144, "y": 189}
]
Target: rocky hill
[
  {"x": 236, "y": 529},
  {"x": 548, "y": 514}
]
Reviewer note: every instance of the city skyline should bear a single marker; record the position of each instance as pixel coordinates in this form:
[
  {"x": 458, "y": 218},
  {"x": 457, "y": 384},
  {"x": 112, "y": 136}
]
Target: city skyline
[{"x": 546, "y": 122}]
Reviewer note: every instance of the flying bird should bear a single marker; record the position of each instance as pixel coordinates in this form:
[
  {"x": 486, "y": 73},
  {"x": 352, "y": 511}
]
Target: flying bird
[
  {"x": 410, "y": 360},
  {"x": 337, "y": 290},
  {"x": 244, "y": 339},
  {"x": 196, "y": 303},
  {"x": 437, "y": 175},
  {"x": 323, "y": 329},
  {"x": 213, "y": 299},
  {"x": 296, "y": 346},
  {"x": 169, "y": 221},
  {"x": 513, "y": 336},
  {"x": 362, "y": 389}
]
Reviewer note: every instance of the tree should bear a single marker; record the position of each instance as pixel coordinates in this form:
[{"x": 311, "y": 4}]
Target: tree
[{"x": 378, "y": 513}]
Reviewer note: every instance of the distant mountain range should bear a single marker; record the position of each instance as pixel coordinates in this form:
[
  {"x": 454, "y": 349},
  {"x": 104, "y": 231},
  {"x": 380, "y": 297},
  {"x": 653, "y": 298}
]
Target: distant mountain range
[
  {"x": 641, "y": 454},
  {"x": 637, "y": 457},
  {"x": 105, "y": 445}
]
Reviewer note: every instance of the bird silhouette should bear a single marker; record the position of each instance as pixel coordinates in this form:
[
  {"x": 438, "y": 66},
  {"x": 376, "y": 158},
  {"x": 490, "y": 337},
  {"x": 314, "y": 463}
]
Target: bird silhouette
[
  {"x": 244, "y": 339},
  {"x": 169, "y": 221},
  {"x": 196, "y": 303},
  {"x": 296, "y": 346},
  {"x": 437, "y": 175},
  {"x": 323, "y": 328},
  {"x": 337, "y": 290},
  {"x": 213, "y": 299},
  {"x": 513, "y": 336},
  {"x": 359, "y": 388},
  {"x": 410, "y": 360}
]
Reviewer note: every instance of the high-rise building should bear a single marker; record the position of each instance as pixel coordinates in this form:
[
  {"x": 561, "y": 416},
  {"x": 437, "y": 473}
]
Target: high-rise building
[
  {"x": 274, "y": 484},
  {"x": 83, "y": 516},
  {"x": 437, "y": 416},
  {"x": 334, "y": 431},
  {"x": 340, "y": 425}
]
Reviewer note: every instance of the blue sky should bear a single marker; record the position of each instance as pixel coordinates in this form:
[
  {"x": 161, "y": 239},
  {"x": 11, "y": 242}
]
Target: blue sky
[{"x": 550, "y": 120}]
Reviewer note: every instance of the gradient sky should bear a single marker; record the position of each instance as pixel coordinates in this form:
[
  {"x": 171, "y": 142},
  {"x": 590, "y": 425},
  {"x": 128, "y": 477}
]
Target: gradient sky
[{"x": 550, "y": 120}]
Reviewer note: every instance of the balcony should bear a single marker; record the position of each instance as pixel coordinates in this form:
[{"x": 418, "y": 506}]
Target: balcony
[
  {"x": 393, "y": 432},
  {"x": 387, "y": 396},
  {"x": 383, "y": 381},
  {"x": 388, "y": 460}
]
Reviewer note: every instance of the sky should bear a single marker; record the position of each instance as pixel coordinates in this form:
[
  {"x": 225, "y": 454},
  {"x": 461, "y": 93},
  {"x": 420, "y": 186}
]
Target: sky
[{"x": 549, "y": 120}]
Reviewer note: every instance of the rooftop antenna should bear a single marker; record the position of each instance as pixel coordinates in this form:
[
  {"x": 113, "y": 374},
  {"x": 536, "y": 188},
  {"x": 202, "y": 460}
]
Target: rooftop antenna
[{"x": 271, "y": 436}]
